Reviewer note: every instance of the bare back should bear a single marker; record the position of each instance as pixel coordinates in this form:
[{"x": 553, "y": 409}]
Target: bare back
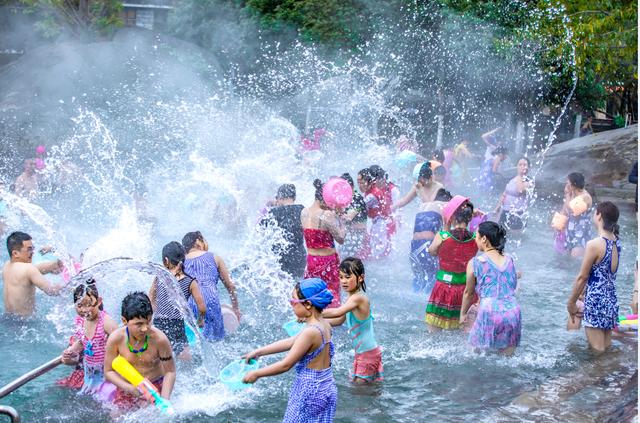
[{"x": 427, "y": 193}]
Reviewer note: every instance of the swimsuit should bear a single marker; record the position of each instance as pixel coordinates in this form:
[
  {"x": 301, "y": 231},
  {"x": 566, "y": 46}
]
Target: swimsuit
[
  {"x": 168, "y": 318},
  {"x": 204, "y": 269},
  {"x": 367, "y": 363},
  {"x": 600, "y": 299}
]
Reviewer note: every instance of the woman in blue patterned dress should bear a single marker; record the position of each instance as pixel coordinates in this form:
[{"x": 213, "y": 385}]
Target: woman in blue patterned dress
[
  {"x": 314, "y": 394},
  {"x": 207, "y": 269},
  {"x": 490, "y": 169},
  {"x": 492, "y": 276},
  {"x": 597, "y": 279}
]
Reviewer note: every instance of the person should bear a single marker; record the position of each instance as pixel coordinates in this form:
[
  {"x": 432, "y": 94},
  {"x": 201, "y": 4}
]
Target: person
[
  {"x": 447, "y": 163},
  {"x": 425, "y": 188},
  {"x": 145, "y": 347},
  {"x": 378, "y": 240},
  {"x": 597, "y": 278},
  {"x": 207, "y": 268},
  {"x": 587, "y": 128},
  {"x": 427, "y": 224},
  {"x": 166, "y": 315},
  {"x": 356, "y": 220},
  {"x": 92, "y": 328},
  {"x": 390, "y": 192},
  {"x": 454, "y": 247},
  {"x": 515, "y": 199},
  {"x": 356, "y": 312},
  {"x": 492, "y": 277},
  {"x": 21, "y": 277},
  {"x": 321, "y": 229},
  {"x": 313, "y": 395},
  {"x": 286, "y": 216},
  {"x": 491, "y": 140},
  {"x": 634, "y": 296},
  {"x": 577, "y": 208},
  {"x": 440, "y": 176},
  {"x": 633, "y": 179},
  {"x": 26, "y": 185},
  {"x": 489, "y": 174}
]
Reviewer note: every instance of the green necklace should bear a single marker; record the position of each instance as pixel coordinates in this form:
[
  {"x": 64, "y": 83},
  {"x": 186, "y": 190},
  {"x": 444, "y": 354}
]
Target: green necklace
[{"x": 141, "y": 350}]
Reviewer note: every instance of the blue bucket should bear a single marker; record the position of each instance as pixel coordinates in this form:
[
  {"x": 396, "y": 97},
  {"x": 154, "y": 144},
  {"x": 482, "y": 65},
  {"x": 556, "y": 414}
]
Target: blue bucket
[
  {"x": 293, "y": 327},
  {"x": 231, "y": 376}
]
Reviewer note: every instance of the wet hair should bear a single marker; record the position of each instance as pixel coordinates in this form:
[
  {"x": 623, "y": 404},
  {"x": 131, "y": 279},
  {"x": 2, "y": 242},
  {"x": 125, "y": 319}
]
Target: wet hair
[
  {"x": 174, "y": 252},
  {"x": 443, "y": 195},
  {"x": 438, "y": 155},
  {"x": 286, "y": 191},
  {"x": 318, "y": 186},
  {"x": 352, "y": 266},
  {"x": 499, "y": 150},
  {"x": 525, "y": 159},
  {"x": 377, "y": 172},
  {"x": 610, "y": 214},
  {"x": 302, "y": 297},
  {"x": 440, "y": 171},
  {"x": 576, "y": 179},
  {"x": 136, "y": 305},
  {"x": 190, "y": 239},
  {"x": 365, "y": 174},
  {"x": 463, "y": 214},
  {"x": 15, "y": 240},
  {"x": 425, "y": 171},
  {"x": 88, "y": 287},
  {"x": 496, "y": 235},
  {"x": 348, "y": 178}
]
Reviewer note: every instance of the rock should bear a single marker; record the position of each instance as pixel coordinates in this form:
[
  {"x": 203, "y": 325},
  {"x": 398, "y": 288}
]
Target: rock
[{"x": 605, "y": 159}]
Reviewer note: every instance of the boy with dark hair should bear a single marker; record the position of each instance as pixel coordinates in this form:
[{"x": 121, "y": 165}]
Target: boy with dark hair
[
  {"x": 21, "y": 277},
  {"x": 142, "y": 345}
]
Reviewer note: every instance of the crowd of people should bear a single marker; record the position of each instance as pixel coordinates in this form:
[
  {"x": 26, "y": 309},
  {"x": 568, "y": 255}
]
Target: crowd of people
[{"x": 457, "y": 256}]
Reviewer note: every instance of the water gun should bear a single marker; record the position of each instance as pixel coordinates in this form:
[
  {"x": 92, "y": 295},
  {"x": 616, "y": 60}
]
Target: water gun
[{"x": 146, "y": 388}]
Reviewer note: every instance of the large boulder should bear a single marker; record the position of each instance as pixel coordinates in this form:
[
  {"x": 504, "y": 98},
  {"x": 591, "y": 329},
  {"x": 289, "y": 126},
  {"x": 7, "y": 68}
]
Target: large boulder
[{"x": 605, "y": 159}]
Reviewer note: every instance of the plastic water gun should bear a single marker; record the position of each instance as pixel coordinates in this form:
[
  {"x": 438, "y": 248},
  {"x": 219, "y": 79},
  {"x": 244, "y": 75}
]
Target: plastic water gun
[{"x": 146, "y": 388}]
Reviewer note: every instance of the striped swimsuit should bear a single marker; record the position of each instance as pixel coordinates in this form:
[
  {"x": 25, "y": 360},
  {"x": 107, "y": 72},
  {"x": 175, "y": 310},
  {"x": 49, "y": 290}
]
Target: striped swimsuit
[
  {"x": 168, "y": 318},
  {"x": 204, "y": 269}
]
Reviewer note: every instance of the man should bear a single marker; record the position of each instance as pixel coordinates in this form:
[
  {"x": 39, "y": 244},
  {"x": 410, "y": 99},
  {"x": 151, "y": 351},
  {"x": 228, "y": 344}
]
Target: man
[
  {"x": 20, "y": 277},
  {"x": 26, "y": 184},
  {"x": 286, "y": 215}
]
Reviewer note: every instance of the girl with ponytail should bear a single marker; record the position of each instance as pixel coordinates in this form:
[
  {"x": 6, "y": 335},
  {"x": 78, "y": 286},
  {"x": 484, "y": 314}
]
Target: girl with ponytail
[
  {"x": 492, "y": 276},
  {"x": 596, "y": 280}
]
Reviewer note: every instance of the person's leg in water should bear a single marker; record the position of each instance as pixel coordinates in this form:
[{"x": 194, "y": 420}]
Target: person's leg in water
[
  {"x": 599, "y": 339},
  {"x": 507, "y": 352}
]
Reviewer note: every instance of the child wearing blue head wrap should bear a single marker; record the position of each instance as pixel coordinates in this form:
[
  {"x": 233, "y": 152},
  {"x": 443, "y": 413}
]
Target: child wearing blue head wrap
[{"x": 313, "y": 394}]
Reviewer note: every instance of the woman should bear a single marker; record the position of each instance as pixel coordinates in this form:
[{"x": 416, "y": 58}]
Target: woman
[
  {"x": 514, "y": 200},
  {"x": 207, "y": 269},
  {"x": 356, "y": 218},
  {"x": 378, "y": 240},
  {"x": 490, "y": 169},
  {"x": 577, "y": 208},
  {"x": 597, "y": 279},
  {"x": 321, "y": 229}
]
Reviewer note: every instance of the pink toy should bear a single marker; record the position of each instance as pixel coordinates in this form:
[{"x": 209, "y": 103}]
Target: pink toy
[
  {"x": 39, "y": 164},
  {"x": 453, "y": 205},
  {"x": 66, "y": 275},
  {"x": 477, "y": 220},
  {"x": 41, "y": 149},
  {"x": 337, "y": 193}
]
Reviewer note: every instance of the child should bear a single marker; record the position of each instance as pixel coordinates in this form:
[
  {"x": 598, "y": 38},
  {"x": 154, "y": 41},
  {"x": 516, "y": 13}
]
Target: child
[
  {"x": 454, "y": 250},
  {"x": 597, "y": 279},
  {"x": 313, "y": 394},
  {"x": 93, "y": 326},
  {"x": 142, "y": 345},
  {"x": 492, "y": 276},
  {"x": 167, "y": 317},
  {"x": 367, "y": 365}
]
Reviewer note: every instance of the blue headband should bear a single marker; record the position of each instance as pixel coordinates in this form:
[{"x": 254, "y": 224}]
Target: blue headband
[{"x": 315, "y": 291}]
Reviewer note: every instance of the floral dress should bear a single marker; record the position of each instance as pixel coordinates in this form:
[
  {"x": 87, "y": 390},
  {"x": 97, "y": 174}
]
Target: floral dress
[{"x": 600, "y": 300}]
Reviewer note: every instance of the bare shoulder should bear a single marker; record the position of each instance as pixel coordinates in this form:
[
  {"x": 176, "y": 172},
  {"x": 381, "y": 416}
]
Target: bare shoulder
[{"x": 117, "y": 335}]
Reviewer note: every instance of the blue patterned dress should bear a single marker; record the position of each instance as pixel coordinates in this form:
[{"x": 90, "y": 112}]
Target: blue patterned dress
[
  {"x": 498, "y": 324},
  {"x": 314, "y": 394},
  {"x": 204, "y": 269},
  {"x": 424, "y": 265},
  {"x": 578, "y": 230},
  {"x": 600, "y": 300}
]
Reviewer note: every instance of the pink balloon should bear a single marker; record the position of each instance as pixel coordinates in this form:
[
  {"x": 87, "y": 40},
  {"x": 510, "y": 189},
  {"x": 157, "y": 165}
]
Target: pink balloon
[
  {"x": 41, "y": 149},
  {"x": 337, "y": 193}
]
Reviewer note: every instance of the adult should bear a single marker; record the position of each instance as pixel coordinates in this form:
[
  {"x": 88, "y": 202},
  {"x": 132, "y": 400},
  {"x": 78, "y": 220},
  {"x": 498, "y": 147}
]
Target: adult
[
  {"x": 26, "y": 184},
  {"x": 633, "y": 179},
  {"x": 356, "y": 219},
  {"x": 378, "y": 241},
  {"x": 577, "y": 208},
  {"x": 286, "y": 216},
  {"x": 390, "y": 192},
  {"x": 490, "y": 172},
  {"x": 322, "y": 228},
  {"x": 462, "y": 156},
  {"x": 21, "y": 277},
  {"x": 514, "y": 200},
  {"x": 207, "y": 268},
  {"x": 491, "y": 140},
  {"x": 597, "y": 279},
  {"x": 425, "y": 188},
  {"x": 587, "y": 128}
]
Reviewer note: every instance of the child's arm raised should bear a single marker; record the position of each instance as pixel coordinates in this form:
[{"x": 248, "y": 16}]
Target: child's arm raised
[
  {"x": 590, "y": 256},
  {"x": 301, "y": 345},
  {"x": 469, "y": 289},
  {"x": 165, "y": 354}
]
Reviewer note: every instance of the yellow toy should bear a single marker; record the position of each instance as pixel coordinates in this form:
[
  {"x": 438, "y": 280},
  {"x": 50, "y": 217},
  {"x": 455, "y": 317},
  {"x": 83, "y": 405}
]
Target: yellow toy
[{"x": 146, "y": 388}]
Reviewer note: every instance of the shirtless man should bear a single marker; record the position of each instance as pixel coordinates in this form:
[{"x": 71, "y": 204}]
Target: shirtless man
[
  {"x": 144, "y": 347},
  {"x": 426, "y": 188},
  {"x": 21, "y": 277},
  {"x": 26, "y": 184}
]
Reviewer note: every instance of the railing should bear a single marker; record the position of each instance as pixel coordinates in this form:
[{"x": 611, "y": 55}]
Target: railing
[{"x": 25, "y": 378}]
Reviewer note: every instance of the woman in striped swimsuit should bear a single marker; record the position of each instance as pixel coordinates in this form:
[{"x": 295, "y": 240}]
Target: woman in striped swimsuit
[{"x": 207, "y": 268}]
